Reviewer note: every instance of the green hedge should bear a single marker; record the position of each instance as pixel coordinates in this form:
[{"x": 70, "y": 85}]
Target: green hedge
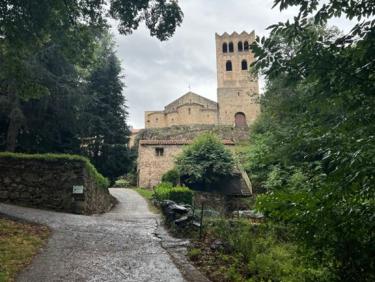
[
  {"x": 181, "y": 195},
  {"x": 100, "y": 180}
]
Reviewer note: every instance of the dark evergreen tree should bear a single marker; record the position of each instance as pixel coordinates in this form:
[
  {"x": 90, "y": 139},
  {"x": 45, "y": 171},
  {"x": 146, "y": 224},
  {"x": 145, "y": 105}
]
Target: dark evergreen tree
[{"x": 105, "y": 130}]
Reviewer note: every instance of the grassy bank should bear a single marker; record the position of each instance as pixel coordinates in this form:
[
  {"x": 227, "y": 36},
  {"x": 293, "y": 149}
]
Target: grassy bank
[{"x": 19, "y": 242}]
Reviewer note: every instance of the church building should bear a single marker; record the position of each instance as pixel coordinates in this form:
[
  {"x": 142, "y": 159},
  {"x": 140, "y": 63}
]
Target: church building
[
  {"x": 237, "y": 91},
  {"x": 236, "y": 107}
]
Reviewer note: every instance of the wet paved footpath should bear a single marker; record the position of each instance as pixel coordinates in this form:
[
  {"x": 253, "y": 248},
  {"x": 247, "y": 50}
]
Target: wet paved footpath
[{"x": 121, "y": 245}]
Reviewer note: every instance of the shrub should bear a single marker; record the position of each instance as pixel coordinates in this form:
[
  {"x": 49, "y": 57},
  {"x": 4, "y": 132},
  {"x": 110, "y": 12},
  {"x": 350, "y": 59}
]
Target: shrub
[
  {"x": 194, "y": 253},
  {"x": 205, "y": 162},
  {"x": 121, "y": 183},
  {"x": 171, "y": 176},
  {"x": 165, "y": 191}
]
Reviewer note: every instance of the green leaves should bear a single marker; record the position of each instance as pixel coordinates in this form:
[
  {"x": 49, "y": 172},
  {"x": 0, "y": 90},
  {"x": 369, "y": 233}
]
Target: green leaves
[
  {"x": 162, "y": 17},
  {"x": 205, "y": 162},
  {"x": 312, "y": 149}
]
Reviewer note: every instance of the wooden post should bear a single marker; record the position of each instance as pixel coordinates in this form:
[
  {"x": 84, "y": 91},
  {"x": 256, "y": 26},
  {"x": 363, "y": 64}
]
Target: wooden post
[{"x": 201, "y": 222}]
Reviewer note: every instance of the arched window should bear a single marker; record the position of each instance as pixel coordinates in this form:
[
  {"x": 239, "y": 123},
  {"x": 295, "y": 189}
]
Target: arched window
[
  {"x": 225, "y": 47},
  {"x": 189, "y": 110},
  {"x": 240, "y": 120},
  {"x": 228, "y": 66},
  {"x": 231, "y": 47},
  {"x": 246, "y": 46},
  {"x": 240, "y": 46},
  {"x": 244, "y": 65}
]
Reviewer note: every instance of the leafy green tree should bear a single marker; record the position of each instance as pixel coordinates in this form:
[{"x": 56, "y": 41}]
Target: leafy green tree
[
  {"x": 313, "y": 146},
  {"x": 205, "y": 162},
  {"x": 29, "y": 28}
]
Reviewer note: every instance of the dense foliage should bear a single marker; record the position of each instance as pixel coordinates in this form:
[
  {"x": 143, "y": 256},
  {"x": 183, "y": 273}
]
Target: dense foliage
[
  {"x": 313, "y": 147},
  {"x": 252, "y": 252},
  {"x": 104, "y": 131},
  {"x": 60, "y": 82},
  {"x": 205, "y": 162},
  {"x": 171, "y": 176},
  {"x": 178, "y": 194}
]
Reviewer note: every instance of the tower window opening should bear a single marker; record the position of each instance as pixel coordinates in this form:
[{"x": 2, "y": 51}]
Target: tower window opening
[
  {"x": 189, "y": 110},
  {"x": 244, "y": 65},
  {"x": 228, "y": 66},
  {"x": 240, "y": 46},
  {"x": 231, "y": 47},
  {"x": 225, "y": 47},
  {"x": 246, "y": 46}
]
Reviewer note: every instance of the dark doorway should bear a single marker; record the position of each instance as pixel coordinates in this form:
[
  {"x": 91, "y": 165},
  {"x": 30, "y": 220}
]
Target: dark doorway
[{"x": 240, "y": 120}]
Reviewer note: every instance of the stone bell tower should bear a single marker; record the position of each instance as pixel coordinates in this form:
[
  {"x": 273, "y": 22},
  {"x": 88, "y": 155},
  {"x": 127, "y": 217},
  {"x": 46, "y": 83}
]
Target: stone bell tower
[{"x": 237, "y": 90}]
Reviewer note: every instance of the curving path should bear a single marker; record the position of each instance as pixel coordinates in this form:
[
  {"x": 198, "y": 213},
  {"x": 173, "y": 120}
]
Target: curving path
[{"x": 121, "y": 245}]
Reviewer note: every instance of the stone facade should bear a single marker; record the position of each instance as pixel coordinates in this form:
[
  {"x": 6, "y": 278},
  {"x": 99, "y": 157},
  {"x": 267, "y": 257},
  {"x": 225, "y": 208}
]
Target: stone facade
[
  {"x": 237, "y": 92},
  {"x": 48, "y": 184},
  {"x": 156, "y": 157},
  {"x": 188, "y": 110}
]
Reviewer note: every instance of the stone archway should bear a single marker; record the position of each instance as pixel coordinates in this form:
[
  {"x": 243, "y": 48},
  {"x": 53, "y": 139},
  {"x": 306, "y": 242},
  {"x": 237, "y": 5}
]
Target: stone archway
[{"x": 240, "y": 119}]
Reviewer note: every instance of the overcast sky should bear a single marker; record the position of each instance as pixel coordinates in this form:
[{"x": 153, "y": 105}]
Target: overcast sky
[{"x": 156, "y": 73}]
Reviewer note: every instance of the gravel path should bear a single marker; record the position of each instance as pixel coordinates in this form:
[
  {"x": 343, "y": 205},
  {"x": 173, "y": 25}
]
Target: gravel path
[{"x": 125, "y": 244}]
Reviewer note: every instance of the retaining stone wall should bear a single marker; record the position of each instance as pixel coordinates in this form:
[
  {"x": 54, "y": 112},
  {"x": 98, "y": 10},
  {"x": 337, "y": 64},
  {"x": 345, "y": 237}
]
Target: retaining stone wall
[{"x": 48, "y": 184}]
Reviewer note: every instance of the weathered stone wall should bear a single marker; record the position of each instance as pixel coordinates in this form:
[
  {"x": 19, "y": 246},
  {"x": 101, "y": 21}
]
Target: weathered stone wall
[
  {"x": 48, "y": 184},
  {"x": 152, "y": 167},
  {"x": 185, "y": 132},
  {"x": 238, "y": 100},
  {"x": 155, "y": 119}
]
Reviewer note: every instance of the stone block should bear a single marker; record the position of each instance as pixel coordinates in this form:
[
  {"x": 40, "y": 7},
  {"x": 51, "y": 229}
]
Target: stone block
[{"x": 3, "y": 194}]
